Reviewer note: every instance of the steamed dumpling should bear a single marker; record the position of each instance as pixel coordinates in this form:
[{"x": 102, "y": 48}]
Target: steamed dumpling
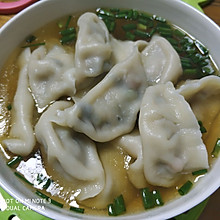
[
  {"x": 51, "y": 74},
  {"x": 21, "y": 139},
  {"x": 110, "y": 109},
  {"x": 170, "y": 135},
  {"x": 203, "y": 96},
  {"x": 71, "y": 153},
  {"x": 116, "y": 179},
  {"x": 93, "y": 50},
  {"x": 161, "y": 61},
  {"x": 131, "y": 144}
]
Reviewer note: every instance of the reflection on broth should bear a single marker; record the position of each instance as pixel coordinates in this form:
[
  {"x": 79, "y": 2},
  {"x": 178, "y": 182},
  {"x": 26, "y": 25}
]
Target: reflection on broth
[{"x": 87, "y": 80}]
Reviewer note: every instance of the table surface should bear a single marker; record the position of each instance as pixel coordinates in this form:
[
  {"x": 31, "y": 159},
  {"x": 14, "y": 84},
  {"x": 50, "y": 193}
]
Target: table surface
[{"x": 212, "y": 210}]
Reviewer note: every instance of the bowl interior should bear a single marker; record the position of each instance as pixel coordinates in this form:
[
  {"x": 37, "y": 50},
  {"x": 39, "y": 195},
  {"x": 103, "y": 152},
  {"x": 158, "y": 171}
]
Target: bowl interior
[{"x": 177, "y": 12}]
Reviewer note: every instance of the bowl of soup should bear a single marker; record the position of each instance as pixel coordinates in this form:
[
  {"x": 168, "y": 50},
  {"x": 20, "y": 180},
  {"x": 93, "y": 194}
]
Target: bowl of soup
[{"x": 110, "y": 109}]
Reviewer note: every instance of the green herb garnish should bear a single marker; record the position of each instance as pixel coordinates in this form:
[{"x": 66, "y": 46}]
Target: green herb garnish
[
  {"x": 216, "y": 148},
  {"x": 185, "y": 188}
]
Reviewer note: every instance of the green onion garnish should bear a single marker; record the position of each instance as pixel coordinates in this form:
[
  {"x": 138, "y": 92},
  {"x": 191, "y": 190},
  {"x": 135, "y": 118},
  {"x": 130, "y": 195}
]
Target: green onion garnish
[
  {"x": 151, "y": 198},
  {"x": 30, "y": 39},
  {"x": 22, "y": 178},
  {"x": 117, "y": 207},
  {"x": 128, "y": 27},
  {"x": 68, "y": 38},
  {"x": 216, "y": 148},
  {"x": 202, "y": 128},
  {"x": 42, "y": 195},
  {"x": 157, "y": 198},
  {"x": 147, "y": 198},
  {"x": 9, "y": 107},
  {"x": 68, "y": 21},
  {"x": 56, "y": 203},
  {"x": 185, "y": 188},
  {"x": 129, "y": 36},
  {"x": 68, "y": 31},
  {"x": 111, "y": 210},
  {"x": 140, "y": 33},
  {"x": 75, "y": 209},
  {"x": 47, "y": 184},
  {"x": 193, "y": 71},
  {"x": 14, "y": 160},
  {"x": 199, "y": 172},
  {"x": 34, "y": 45}
]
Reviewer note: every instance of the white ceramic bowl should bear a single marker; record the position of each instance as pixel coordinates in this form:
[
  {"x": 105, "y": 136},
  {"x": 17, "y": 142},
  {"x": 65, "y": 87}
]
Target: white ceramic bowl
[{"x": 175, "y": 11}]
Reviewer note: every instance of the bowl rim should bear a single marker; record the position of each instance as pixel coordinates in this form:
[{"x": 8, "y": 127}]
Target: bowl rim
[{"x": 188, "y": 201}]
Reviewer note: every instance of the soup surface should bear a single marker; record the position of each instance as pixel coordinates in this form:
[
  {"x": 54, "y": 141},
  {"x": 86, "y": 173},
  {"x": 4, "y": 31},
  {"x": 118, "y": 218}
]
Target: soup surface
[{"x": 90, "y": 112}]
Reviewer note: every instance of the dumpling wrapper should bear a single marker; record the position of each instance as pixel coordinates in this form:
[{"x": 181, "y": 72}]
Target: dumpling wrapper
[
  {"x": 170, "y": 135},
  {"x": 131, "y": 144},
  {"x": 51, "y": 74},
  {"x": 110, "y": 108},
  {"x": 21, "y": 139},
  {"x": 161, "y": 61},
  {"x": 71, "y": 153}
]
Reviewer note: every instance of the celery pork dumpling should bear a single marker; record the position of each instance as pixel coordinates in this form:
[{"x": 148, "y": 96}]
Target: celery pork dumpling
[{"x": 170, "y": 135}]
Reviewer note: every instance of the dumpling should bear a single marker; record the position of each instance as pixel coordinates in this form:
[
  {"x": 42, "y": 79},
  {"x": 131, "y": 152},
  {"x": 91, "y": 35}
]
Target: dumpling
[
  {"x": 116, "y": 180},
  {"x": 131, "y": 144},
  {"x": 110, "y": 108},
  {"x": 93, "y": 50},
  {"x": 170, "y": 135},
  {"x": 71, "y": 153},
  {"x": 21, "y": 139},
  {"x": 51, "y": 74},
  {"x": 161, "y": 61},
  {"x": 203, "y": 96}
]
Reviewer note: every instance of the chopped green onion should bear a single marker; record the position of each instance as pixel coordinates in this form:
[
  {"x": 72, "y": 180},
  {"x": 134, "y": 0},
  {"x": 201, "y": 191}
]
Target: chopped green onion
[
  {"x": 141, "y": 27},
  {"x": 68, "y": 38},
  {"x": 178, "y": 33},
  {"x": 201, "y": 48},
  {"x": 142, "y": 21},
  {"x": 172, "y": 41},
  {"x": 40, "y": 178},
  {"x": 199, "y": 172},
  {"x": 207, "y": 70},
  {"x": 129, "y": 36},
  {"x": 145, "y": 16},
  {"x": 147, "y": 198},
  {"x": 105, "y": 12},
  {"x": 68, "y": 31},
  {"x": 160, "y": 19},
  {"x": 30, "y": 39},
  {"x": 157, "y": 198},
  {"x": 14, "y": 161},
  {"x": 22, "y": 178},
  {"x": 34, "y": 45},
  {"x": 216, "y": 148},
  {"x": 9, "y": 107},
  {"x": 68, "y": 21},
  {"x": 110, "y": 25},
  {"x": 117, "y": 207},
  {"x": 56, "y": 203},
  {"x": 111, "y": 210},
  {"x": 42, "y": 195},
  {"x": 128, "y": 27},
  {"x": 190, "y": 71},
  {"x": 135, "y": 15},
  {"x": 75, "y": 209},
  {"x": 185, "y": 188},
  {"x": 47, "y": 184},
  {"x": 202, "y": 128},
  {"x": 140, "y": 33}
]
